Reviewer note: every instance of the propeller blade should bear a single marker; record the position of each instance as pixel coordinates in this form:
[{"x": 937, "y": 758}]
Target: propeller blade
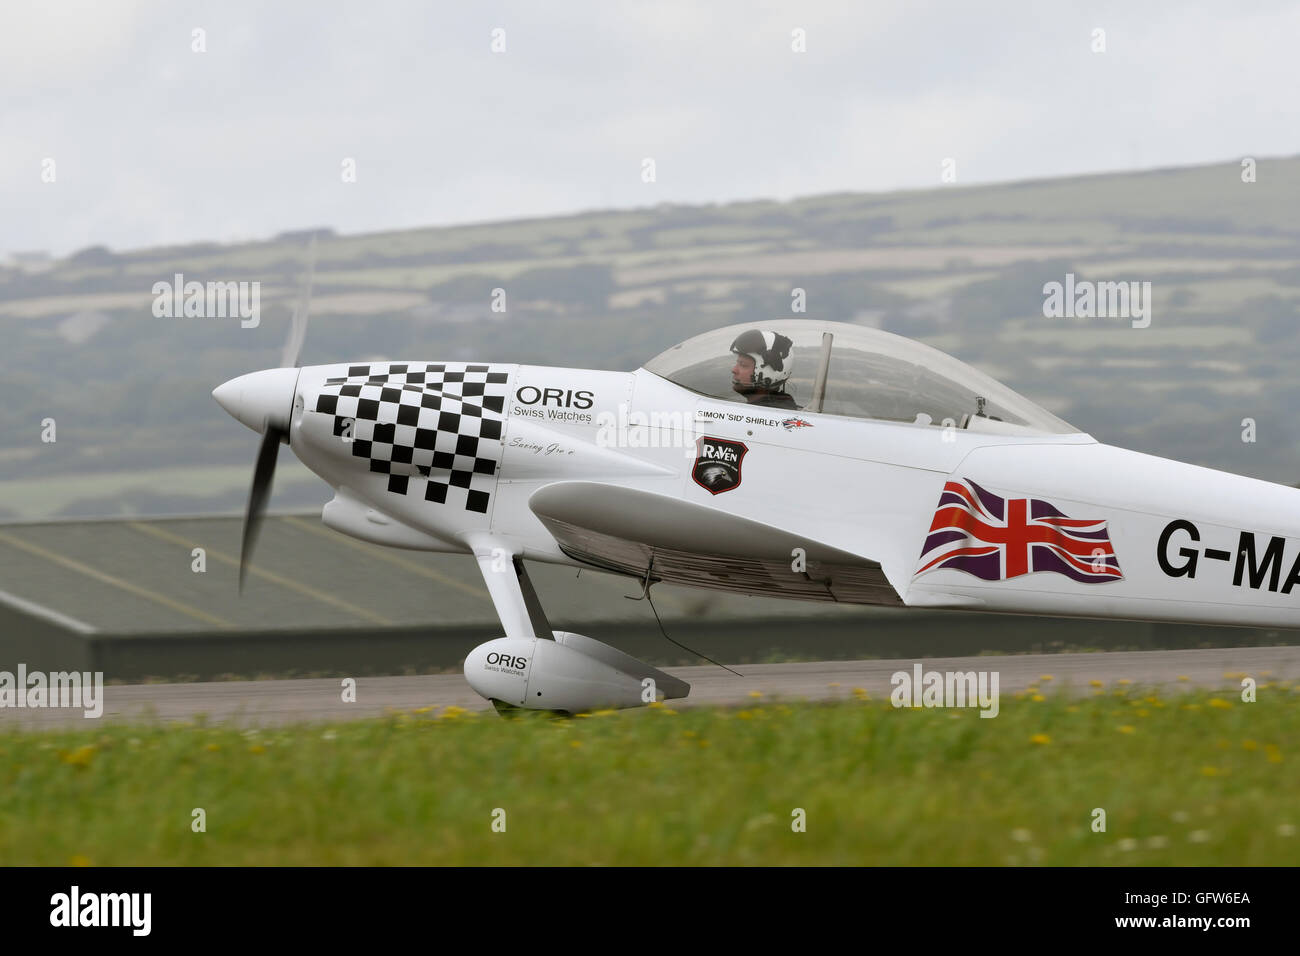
[
  {"x": 298, "y": 327},
  {"x": 259, "y": 494},
  {"x": 264, "y": 470}
]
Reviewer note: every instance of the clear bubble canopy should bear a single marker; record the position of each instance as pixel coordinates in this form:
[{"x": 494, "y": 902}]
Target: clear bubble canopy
[{"x": 859, "y": 372}]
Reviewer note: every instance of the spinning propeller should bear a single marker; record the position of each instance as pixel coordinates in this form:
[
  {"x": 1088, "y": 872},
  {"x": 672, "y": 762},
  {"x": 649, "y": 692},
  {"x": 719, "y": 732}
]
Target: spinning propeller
[{"x": 264, "y": 402}]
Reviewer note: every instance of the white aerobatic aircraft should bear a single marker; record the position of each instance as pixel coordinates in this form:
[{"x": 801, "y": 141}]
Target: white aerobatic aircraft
[{"x": 798, "y": 459}]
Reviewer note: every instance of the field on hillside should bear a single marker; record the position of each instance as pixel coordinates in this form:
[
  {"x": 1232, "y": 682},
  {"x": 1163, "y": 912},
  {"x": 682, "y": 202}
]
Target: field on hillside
[{"x": 962, "y": 268}]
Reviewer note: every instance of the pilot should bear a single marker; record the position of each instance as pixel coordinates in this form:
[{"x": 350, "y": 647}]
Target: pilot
[{"x": 763, "y": 363}]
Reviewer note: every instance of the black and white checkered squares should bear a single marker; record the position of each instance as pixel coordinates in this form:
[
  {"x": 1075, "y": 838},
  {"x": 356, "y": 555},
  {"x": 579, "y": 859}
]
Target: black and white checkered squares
[{"x": 433, "y": 429}]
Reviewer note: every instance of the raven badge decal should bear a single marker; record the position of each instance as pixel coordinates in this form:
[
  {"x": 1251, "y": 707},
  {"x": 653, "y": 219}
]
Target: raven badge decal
[{"x": 717, "y": 464}]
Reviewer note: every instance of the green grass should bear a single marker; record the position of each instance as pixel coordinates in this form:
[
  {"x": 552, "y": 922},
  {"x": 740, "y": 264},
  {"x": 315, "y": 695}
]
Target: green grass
[{"x": 1188, "y": 782}]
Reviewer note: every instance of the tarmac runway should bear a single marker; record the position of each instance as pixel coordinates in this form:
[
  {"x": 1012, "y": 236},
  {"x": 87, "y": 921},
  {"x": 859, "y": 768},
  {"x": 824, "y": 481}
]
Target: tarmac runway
[{"x": 271, "y": 702}]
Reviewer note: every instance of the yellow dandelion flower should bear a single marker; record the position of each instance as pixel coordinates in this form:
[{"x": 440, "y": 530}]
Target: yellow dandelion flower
[
  {"x": 1220, "y": 703},
  {"x": 79, "y": 860},
  {"x": 1273, "y": 753},
  {"x": 1038, "y": 698},
  {"x": 1040, "y": 739},
  {"x": 1123, "y": 681},
  {"x": 257, "y": 749},
  {"x": 1210, "y": 771},
  {"x": 575, "y": 743},
  {"x": 755, "y": 693},
  {"x": 1249, "y": 745},
  {"x": 1096, "y": 683},
  {"x": 1127, "y": 729},
  {"x": 80, "y": 757},
  {"x": 1183, "y": 677},
  {"x": 1046, "y": 677}
]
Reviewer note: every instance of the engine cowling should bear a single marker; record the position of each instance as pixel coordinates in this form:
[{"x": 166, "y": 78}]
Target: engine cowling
[{"x": 572, "y": 673}]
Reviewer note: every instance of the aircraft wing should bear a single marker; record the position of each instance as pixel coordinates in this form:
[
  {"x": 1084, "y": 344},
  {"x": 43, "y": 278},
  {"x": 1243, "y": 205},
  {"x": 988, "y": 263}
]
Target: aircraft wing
[{"x": 628, "y": 531}]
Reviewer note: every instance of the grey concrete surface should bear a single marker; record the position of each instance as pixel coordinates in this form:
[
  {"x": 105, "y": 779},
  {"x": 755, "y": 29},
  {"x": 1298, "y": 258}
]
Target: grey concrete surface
[{"x": 266, "y": 703}]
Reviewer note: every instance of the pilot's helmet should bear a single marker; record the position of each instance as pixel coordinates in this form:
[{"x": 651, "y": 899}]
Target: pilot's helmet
[{"x": 771, "y": 354}]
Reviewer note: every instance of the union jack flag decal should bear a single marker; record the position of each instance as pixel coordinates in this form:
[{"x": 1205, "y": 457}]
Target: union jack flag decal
[{"x": 996, "y": 539}]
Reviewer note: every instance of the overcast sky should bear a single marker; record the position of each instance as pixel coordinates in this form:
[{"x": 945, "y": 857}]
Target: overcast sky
[{"x": 153, "y": 143}]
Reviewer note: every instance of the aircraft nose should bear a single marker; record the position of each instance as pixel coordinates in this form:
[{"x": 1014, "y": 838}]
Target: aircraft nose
[{"x": 260, "y": 397}]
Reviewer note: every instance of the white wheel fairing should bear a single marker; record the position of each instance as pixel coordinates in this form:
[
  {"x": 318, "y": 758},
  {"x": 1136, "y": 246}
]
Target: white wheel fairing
[{"x": 542, "y": 674}]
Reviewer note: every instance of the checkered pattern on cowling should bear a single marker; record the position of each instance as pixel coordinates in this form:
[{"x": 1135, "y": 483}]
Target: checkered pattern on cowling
[{"x": 433, "y": 429}]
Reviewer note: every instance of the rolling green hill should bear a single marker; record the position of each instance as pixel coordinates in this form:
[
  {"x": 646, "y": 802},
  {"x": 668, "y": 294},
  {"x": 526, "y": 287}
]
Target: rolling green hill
[{"x": 961, "y": 268}]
